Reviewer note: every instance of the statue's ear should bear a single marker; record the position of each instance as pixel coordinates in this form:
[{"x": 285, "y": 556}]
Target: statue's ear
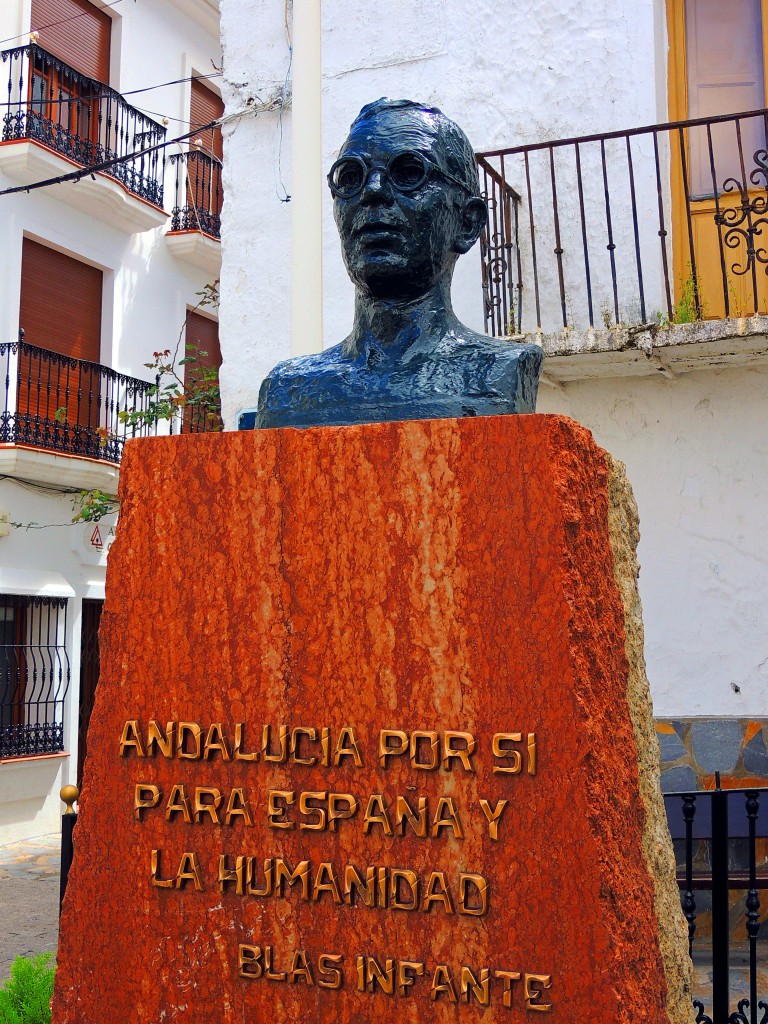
[{"x": 473, "y": 221}]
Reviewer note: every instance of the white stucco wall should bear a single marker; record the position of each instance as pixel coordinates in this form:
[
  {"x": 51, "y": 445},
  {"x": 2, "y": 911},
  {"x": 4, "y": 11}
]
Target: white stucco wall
[
  {"x": 695, "y": 450},
  {"x": 147, "y": 292}
]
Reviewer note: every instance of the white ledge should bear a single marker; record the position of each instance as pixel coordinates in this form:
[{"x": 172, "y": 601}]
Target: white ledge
[
  {"x": 44, "y": 467},
  {"x": 197, "y": 248},
  {"x": 649, "y": 349},
  {"x": 28, "y": 161}
]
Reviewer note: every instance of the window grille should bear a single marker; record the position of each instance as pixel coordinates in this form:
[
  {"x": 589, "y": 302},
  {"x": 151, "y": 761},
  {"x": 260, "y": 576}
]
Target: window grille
[{"x": 34, "y": 674}]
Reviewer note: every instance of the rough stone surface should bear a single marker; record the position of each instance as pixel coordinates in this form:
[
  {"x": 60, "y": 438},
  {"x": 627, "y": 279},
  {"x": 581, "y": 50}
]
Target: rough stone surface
[
  {"x": 756, "y": 755},
  {"x": 716, "y": 745},
  {"x": 682, "y": 779},
  {"x": 671, "y": 746},
  {"x": 454, "y": 574}
]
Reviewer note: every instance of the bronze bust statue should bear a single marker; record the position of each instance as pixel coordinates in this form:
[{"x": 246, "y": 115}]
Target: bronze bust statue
[{"x": 407, "y": 204}]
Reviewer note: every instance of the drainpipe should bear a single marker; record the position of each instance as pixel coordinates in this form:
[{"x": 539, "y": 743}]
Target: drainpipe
[{"x": 306, "y": 181}]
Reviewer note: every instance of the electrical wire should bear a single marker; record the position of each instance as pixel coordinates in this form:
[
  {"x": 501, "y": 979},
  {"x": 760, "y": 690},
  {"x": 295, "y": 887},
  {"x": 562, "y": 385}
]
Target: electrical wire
[
  {"x": 131, "y": 92},
  {"x": 53, "y": 24}
]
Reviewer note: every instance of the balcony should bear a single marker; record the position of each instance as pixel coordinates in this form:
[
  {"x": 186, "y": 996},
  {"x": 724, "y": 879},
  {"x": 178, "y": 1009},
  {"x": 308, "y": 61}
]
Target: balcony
[
  {"x": 57, "y": 120},
  {"x": 632, "y": 252},
  {"x": 195, "y": 231},
  {"x": 69, "y": 407}
]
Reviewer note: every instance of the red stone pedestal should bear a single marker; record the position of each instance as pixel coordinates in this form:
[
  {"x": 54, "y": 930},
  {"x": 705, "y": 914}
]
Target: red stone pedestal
[{"x": 405, "y": 776}]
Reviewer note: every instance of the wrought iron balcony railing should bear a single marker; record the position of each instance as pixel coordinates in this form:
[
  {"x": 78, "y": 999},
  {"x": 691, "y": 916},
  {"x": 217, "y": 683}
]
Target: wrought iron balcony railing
[
  {"x": 68, "y": 405},
  {"x": 81, "y": 119},
  {"x": 198, "y": 193},
  {"x": 662, "y": 224}
]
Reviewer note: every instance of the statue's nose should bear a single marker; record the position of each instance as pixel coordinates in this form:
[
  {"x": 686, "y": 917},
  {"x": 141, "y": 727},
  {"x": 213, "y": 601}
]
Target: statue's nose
[{"x": 377, "y": 187}]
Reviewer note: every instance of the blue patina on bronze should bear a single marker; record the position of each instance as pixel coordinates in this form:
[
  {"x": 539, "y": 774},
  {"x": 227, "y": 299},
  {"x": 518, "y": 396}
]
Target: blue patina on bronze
[{"x": 407, "y": 204}]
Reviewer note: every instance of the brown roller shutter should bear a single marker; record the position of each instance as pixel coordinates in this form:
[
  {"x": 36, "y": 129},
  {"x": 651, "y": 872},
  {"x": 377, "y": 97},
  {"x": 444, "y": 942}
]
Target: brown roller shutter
[
  {"x": 79, "y": 34},
  {"x": 205, "y": 107},
  {"x": 61, "y": 312},
  {"x": 202, "y": 344}
]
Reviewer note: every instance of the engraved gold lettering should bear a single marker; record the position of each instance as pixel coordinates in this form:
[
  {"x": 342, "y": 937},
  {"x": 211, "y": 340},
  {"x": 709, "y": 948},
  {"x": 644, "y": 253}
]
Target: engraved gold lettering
[
  {"x": 204, "y": 805},
  {"x": 392, "y": 743},
  {"x": 325, "y": 881},
  {"x": 407, "y": 971},
  {"x": 237, "y": 807},
  {"x": 275, "y": 812},
  {"x": 329, "y": 976},
  {"x": 532, "y": 757},
  {"x": 306, "y": 808},
  {"x": 353, "y": 884},
  {"x": 346, "y": 746},
  {"x": 249, "y": 962},
  {"x": 436, "y": 891},
  {"x": 458, "y": 746},
  {"x": 375, "y": 975},
  {"x": 192, "y": 730},
  {"x": 410, "y": 879},
  {"x": 446, "y": 816},
  {"x": 501, "y": 748},
  {"x": 284, "y": 873},
  {"x": 144, "y": 796},
  {"x": 442, "y": 983},
  {"x": 381, "y": 886},
  {"x": 340, "y": 807},
  {"x": 240, "y": 743},
  {"x": 216, "y": 741},
  {"x": 493, "y": 814},
  {"x": 325, "y": 745},
  {"x": 534, "y": 985},
  {"x": 189, "y": 871},
  {"x": 253, "y": 889},
  {"x": 161, "y": 883},
  {"x": 131, "y": 738},
  {"x": 419, "y": 741},
  {"x": 507, "y": 977},
  {"x": 269, "y": 974},
  {"x": 296, "y": 735},
  {"x": 416, "y": 819},
  {"x": 159, "y": 740},
  {"x": 282, "y": 755},
  {"x": 300, "y": 969},
  {"x": 178, "y": 804},
  {"x": 227, "y": 875},
  {"x": 360, "y": 968},
  {"x": 479, "y": 900},
  {"x": 376, "y": 814},
  {"x": 471, "y": 988}
]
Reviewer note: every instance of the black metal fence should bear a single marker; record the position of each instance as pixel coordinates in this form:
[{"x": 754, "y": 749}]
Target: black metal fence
[
  {"x": 34, "y": 674},
  {"x": 717, "y": 839},
  {"x": 84, "y": 120},
  {"x": 199, "y": 195},
  {"x": 661, "y": 224},
  {"x": 67, "y": 405}
]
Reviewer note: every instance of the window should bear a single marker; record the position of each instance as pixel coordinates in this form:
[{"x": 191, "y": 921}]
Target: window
[
  {"x": 201, "y": 378},
  {"x": 34, "y": 675}
]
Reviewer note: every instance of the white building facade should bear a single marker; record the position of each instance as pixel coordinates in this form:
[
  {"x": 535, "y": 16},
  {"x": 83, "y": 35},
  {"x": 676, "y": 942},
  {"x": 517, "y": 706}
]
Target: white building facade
[
  {"x": 98, "y": 274},
  {"x": 612, "y": 250}
]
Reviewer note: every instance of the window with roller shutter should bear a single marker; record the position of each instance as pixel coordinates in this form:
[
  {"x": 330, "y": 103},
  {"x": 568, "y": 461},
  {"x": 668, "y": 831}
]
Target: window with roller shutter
[{"x": 204, "y": 354}]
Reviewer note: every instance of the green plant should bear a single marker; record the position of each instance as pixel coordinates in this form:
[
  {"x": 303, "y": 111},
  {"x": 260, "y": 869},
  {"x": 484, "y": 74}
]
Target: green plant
[
  {"x": 26, "y": 997},
  {"x": 196, "y": 389},
  {"x": 690, "y": 306},
  {"x": 91, "y": 506}
]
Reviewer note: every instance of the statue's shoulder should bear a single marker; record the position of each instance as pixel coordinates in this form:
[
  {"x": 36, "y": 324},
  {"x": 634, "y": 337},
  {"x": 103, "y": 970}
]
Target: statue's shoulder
[
  {"x": 499, "y": 350},
  {"x": 302, "y": 366}
]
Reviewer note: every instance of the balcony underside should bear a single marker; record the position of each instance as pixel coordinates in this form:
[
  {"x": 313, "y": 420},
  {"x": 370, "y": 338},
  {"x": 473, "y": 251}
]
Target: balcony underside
[
  {"x": 197, "y": 248},
  {"x": 45, "y": 467},
  {"x": 27, "y": 161},
  {"x": 649, "y": 350}
]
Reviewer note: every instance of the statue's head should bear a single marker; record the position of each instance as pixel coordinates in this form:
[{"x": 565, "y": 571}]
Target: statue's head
[{"x": 406, "y": 198}]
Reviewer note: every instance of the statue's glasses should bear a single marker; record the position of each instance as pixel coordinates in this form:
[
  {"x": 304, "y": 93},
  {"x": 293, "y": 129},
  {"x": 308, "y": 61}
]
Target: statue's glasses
[{"x": 406, "y": 172}]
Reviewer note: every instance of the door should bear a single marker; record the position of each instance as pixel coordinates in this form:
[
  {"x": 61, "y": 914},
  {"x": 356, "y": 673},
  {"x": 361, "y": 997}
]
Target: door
[
  {"x": 201, "y": 378},
  {"x": 720, "y": 171},
  {"x": 204, "y": 195},
  {"x": 89, "y": 676},
  {"x": 60, "y": 312}
]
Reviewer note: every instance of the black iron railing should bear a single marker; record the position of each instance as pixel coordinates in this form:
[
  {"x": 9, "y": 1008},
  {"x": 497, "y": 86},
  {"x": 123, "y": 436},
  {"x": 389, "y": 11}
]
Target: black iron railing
[
  {"x": 82, "y": 119},
  {"x": 662, "y": 224},
  {"x": 716, "y": 837},
  {"x": 67, "y": 405},
  {"x": 34, "y": 675},
  {"x": 198, "y": 193}
]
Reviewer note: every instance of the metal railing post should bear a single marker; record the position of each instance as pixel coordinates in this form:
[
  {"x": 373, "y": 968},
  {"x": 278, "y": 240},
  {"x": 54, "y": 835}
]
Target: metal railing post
[
  {"x": 69, "y": 795},
  {"x": 720, "y": 929}
]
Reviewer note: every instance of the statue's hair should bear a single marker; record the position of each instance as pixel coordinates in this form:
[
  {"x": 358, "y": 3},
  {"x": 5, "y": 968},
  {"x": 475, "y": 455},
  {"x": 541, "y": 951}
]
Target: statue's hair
[{"x": 456, "y": 147}]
